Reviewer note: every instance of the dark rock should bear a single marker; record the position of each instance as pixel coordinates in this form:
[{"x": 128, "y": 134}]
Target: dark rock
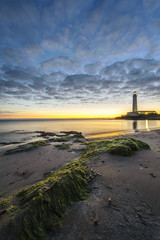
[
  {"x": 152, "y": 175},
  {"x": 3, "y": 212}
]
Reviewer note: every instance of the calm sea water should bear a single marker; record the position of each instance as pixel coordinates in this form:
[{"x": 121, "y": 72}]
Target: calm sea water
[{"x": 23, "y": 130}]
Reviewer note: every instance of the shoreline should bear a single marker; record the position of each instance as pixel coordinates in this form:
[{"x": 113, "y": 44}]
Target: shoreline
[
  {"x": 35, "y": 163},
  {"x": 128, "y": 181},
  {"x": 23, "y": 168},
  {"x": 120, "y": 134},
  {"x": 94, "y": 135},
  {"x": 91, "y": 129},
  {"x": 125, "y": 200}
]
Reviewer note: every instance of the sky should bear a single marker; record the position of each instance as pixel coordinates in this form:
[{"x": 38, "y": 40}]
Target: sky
[{"x": 73, "y": 59}]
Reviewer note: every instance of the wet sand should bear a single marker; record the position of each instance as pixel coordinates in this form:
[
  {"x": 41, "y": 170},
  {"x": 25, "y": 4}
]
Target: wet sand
[
  {"x": 22, "y": 169},
  {"x": 125, "y": 198},
  {"x": 131, "y": 184}
]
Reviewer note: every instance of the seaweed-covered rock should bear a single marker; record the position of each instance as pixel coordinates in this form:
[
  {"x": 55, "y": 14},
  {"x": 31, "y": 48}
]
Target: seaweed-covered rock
[
  {"x": 126, "y": 146},
  {"x": 46, "y": 134},
  {"x": 128, "y": 142},
  {"x": 67, "y": 136},
  {"x": 62, "y": 146},
  {"x": 118, "y": 146},
  {"x": 40, "y": 208},
  {"x": 27, "y": 147},
  {"x": 141, "y": 145},
  {"x": 73, "y": 134},
  {"x": 119, "y": 149}
]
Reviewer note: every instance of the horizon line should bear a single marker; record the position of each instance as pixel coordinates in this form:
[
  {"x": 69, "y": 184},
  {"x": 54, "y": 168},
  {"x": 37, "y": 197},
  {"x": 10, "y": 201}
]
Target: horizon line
[{"x": 56, "y": 118}]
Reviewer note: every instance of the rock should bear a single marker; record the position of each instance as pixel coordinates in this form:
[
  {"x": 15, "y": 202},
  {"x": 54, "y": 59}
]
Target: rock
[
  {"x": 99, "y": 174},
  {"x": 152, "y": 175},
  {"x": 110, "y": 202},
  {"x": 143, "y": 165},
  {"x": 3, "y": 212},
  {"x": 96, "y": 223}
]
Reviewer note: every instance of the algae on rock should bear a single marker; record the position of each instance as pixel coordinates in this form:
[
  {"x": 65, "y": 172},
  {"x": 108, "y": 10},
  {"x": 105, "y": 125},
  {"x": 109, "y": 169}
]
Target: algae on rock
[
  {"x": 62, "y": 146},
  {"x": 43, "y": 205},
  {"x": 118, "y": 146},
  {"x": 27, "y": 147},
  {"x": 39, "y": 209}
]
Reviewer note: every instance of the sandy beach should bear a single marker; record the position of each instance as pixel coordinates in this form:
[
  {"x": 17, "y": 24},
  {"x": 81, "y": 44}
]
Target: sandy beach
[
  {"x": 19, "y": 170},
  {"x": 124, "y": 202},
  {"x": 132, "y": 184}
]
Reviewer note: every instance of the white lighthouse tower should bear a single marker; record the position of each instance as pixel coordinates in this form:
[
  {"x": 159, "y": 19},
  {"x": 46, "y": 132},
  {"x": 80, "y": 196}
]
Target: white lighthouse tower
[
  {"x": 134, "y": 102},
  {"x": 138, "y": 113}
]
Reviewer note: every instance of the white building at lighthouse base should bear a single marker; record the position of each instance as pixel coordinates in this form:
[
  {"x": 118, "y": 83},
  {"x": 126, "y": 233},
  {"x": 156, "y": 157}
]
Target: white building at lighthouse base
[{"x": 138, "y": 113}]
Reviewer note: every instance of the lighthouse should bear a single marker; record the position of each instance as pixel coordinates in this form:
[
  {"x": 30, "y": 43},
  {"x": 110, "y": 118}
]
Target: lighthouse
[
  {"x": 134, "y": 102},
  {"x": 138, "y": 113}
]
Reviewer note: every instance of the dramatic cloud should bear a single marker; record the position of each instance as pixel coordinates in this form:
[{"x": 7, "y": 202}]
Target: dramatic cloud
[
  {"x": 56, "y": 52},
  {"x": 92, "y": 68},
  {"x": 112, "y": 80},
  {"x": 62, "y": 64}
]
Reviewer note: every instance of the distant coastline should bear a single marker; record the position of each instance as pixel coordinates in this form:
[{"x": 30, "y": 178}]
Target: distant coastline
[
  {"x": 140, "y": 117},
  {"x": 125, "y": 117},
  {"x": 43, "y": 119}
]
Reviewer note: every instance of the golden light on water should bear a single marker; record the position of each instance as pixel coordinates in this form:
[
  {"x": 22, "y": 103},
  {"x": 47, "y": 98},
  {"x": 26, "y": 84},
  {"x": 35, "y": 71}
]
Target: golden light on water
[
  {"x": 147, "y": 127},
  {"x": 111, "y": 134}
]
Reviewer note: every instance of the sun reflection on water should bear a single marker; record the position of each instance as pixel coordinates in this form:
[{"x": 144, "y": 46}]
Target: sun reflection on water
[{"x": 147, "y": 127}]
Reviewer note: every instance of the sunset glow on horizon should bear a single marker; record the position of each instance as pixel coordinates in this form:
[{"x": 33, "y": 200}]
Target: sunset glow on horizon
[
  {"x": 63, "y": 114},
  {"x": 78, "y": 59}
]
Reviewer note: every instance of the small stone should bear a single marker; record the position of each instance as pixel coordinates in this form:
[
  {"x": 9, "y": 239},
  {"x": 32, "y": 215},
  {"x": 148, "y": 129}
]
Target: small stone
[
  {"x": 91, "y": 177},
  {"x": 110, "y": 201},
  {"x": 96, "y": 221},
  {"x": 143, "y": 165},
  {"x": 99, "y": 174},
  {"x": 152, "y": 175},
  {"x": 3, "y": 212},
  {"x": 122, "y": 225}
]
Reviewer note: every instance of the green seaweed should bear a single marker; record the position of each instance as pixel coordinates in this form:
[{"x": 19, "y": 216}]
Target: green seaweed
[
  {"x": 45, "y": 134},
  {"x": 43, "y": 205},
  {"x": 62, "y": 146},
  {"x": 40, "y": 143},
  {"x": 39, "y": 209},
  {"x": 118, "y": 146},
  {"x": 4, "y": 202},
  {"x": 119, "y": 149},
  {"x": 72, "y": 135},
  {"x": 60, "y": 139},
  {"x": 141, "y": 145},
  {"x": 27, "y": 147},
  {"x": 77, "y": 140}
]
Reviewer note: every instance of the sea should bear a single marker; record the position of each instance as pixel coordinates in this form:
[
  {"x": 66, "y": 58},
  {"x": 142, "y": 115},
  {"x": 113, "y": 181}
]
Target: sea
[{"x": 14, "y": 131}]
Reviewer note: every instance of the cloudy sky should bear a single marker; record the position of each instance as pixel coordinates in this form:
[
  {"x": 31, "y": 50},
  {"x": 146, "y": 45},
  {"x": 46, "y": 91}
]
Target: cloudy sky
[{"x": 69, "y": 58}]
